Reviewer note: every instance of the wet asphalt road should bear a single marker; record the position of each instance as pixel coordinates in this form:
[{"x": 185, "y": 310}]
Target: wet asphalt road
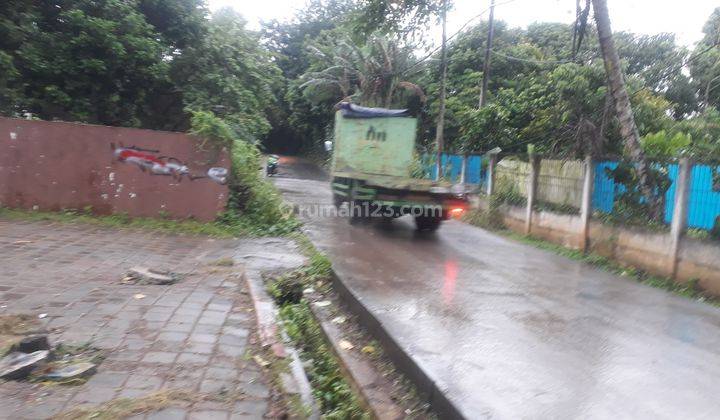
[{"x": 511, "y": 331}]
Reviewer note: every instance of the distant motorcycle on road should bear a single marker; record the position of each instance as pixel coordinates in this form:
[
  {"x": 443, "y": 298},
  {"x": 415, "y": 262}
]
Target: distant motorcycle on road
[{"x": 272, "y": 165}]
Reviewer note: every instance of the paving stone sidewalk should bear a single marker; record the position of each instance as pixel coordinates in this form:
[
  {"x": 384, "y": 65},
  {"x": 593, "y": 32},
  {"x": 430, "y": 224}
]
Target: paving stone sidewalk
[{"x": 192, "y": 336}]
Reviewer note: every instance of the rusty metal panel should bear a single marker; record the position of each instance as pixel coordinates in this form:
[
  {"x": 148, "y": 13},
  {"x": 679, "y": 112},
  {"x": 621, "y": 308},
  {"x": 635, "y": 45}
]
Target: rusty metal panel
[{"x": 380, "y": 146}]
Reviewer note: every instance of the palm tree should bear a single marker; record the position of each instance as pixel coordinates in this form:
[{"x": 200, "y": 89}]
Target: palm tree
[
  {"x": 626, "y": 119},
  {"x": 373, "y": 74}
]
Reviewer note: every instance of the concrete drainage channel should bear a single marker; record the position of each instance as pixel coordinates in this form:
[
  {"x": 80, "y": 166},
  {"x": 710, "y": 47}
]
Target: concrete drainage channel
[
  {"x": 380, "y": 391},
  {"x": 425, "y": 385},
  {"x": 293, "y": 381}
]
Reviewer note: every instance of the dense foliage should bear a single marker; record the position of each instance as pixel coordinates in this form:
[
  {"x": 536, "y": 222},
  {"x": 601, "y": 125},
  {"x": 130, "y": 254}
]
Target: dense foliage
[
  {"x": 253, "y": 203},
  {"x": 541, "y": 91},
  {"x": 138, "y": 63},
  {"x": 152, "y": 63}
]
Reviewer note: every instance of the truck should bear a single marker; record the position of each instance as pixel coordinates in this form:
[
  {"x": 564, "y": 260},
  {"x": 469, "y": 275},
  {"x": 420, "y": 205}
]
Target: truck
[{"x": 372, "y": 160}]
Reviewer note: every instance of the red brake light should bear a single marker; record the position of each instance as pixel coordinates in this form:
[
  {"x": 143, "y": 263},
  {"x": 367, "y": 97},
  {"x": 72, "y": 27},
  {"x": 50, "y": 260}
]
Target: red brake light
[{"x": 457, "y": 212}]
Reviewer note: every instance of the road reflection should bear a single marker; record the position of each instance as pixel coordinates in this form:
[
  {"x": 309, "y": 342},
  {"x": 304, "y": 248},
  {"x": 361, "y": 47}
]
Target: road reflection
[{"x": 448, "y": 289}]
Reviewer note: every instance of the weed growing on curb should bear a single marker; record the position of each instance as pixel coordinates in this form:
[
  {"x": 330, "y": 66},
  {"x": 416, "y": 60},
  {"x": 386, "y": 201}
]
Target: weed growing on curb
[{"x": 330, "y": 388}]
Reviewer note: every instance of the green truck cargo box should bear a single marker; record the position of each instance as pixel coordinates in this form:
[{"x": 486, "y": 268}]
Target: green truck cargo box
[
  {"x": 374, "y": 146},
  {"x": 371, "y": 164}
]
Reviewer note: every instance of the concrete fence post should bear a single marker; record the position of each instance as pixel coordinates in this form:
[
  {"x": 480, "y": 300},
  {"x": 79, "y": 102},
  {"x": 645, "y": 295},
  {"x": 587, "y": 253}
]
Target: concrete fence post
[
  {"x": 586, "y": 205},
  {"x": 679, "y": 216},
  {"x": 463, "y": 168},
  {"x": 492, "y": 165},
  {"x": 532, "y": 190}
]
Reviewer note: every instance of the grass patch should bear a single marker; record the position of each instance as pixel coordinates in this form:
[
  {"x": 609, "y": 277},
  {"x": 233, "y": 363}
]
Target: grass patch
[
  {"x": 330, "y": 388},
  {"x": 226, "y": 226},
  {"x": 126, "y": 407},
  {"x": 121, "y": 408},
  {"x": 191, "y": 227},
  {"x": 223, "y": 262},
  {"x": 689, "y": 289},
  {"x": 254, "y": 205},
  {"x": 19, "y": 324},
  {"x": 66, "y": 354}
]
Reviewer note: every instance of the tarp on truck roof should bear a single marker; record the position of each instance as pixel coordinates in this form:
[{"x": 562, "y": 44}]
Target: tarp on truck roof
[{"x": 349, "y": 110}]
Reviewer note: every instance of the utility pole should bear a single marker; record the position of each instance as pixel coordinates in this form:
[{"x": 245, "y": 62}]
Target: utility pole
[
  {"x": 439, "y": 134},
  {"x": 486, "y": 63}
]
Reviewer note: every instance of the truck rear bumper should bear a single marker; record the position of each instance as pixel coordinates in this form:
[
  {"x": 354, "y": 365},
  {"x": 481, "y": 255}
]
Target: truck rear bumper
[{"x": 421, "y": 202}]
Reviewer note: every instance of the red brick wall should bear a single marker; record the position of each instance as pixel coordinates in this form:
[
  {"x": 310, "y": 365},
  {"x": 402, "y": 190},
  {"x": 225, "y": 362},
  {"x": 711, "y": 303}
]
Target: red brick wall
[{"x": 57, "y": 165}]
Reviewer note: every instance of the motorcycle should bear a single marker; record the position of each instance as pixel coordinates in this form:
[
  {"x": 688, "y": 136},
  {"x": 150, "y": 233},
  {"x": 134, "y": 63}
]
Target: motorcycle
[{"x": 272, "y": 165}]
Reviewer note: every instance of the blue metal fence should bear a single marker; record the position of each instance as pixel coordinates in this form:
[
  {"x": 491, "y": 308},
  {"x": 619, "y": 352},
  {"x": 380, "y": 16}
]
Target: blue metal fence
[
  {"x": 475, "y": 172},
  {"x": 703, "y": 200}
]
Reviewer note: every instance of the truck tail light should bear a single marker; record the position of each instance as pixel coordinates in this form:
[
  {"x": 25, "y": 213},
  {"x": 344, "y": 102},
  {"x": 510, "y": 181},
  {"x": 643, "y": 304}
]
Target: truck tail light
[{"x": 457, "y": 212}]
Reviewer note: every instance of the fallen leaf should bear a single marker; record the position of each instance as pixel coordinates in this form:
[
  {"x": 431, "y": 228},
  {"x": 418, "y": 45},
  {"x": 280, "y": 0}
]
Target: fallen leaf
[
  {"x": 338, "y": 320},
  {"x": 260, "y": 361},
  {"x": 322, "y": 303},
  {"x": 345, "y": 345},
  {"x": 139, "y": 296},
  {"x": 368, "y": 350}
]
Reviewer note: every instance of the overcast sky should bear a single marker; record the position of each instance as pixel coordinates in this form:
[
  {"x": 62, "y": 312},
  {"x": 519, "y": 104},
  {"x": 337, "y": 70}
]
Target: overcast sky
[{"x": 684, "y": 18}]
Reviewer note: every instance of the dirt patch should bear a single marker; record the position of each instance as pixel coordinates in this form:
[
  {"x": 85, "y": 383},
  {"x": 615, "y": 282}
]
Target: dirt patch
[{"x": 14, "y": 328}]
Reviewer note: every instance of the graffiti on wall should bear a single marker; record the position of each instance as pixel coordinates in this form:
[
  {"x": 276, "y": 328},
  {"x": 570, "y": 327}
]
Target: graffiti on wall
[{"x": 152, "y": 162}]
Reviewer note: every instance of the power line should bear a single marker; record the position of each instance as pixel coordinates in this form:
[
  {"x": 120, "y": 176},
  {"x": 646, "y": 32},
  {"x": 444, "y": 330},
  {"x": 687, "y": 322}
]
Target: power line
[
  {"x": 530, "y": 60},
  {"x": 456, "y": 33}
]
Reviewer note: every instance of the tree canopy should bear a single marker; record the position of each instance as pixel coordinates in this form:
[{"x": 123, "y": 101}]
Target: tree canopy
[
  {"x": 149, "y": 63},
  {"x": 140, "y": 63}
]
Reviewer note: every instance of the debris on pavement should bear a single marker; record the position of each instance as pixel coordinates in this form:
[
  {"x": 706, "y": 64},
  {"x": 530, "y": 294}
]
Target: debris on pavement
[
  {"x": 346, "y": 345},
  {"x": 14, "y": 328},
  {"x": 149, "y": 276},
  {"x": 322, "y": 303},
  {"x": 28, "y": 354},
  {"x": 31, "y": 343},
  {"x": 18, "y": 365},
  {"x": 338, "y": 320},
  {"x": 41, "y": 316},
  {"x": 368, "y": 350},
  {"x": 71, "y": 371},
  {"x": 260, "y": 361},
  {"x": 132, "y": 354}
]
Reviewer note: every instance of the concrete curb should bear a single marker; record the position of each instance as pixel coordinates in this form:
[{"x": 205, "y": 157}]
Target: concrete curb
[
  {"x": 363, "y": 377},
  {"x": 441, "y": 404},
  {"x": 296, "y": 383}
]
